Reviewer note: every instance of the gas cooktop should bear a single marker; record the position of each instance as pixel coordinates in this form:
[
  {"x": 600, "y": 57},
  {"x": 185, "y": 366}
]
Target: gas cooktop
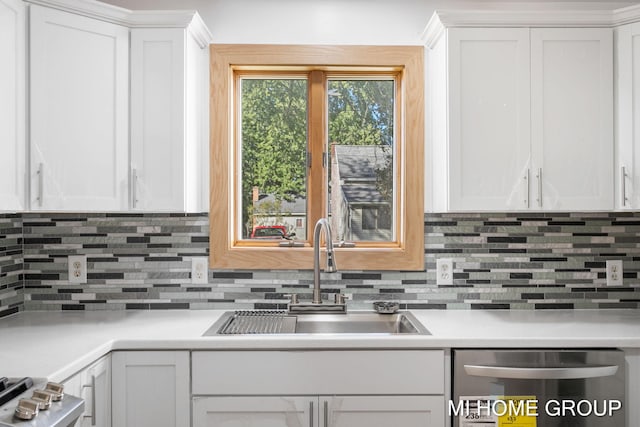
[{"x": 36, "y": 403}]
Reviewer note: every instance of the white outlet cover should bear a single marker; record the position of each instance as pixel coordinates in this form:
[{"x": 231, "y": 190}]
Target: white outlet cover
[
  {"x": 614, "y": 272},
  {"x": 77, "y": 265},
  {"x": 444, "y": 272},
  {"x": 200, "y": 270}
]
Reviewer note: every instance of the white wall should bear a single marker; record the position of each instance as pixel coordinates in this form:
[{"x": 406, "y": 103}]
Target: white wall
[{"x": 332, "y": 21}]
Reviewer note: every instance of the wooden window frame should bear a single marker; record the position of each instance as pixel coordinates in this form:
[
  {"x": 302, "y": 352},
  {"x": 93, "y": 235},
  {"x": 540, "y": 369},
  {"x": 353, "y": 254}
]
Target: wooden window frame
[{"x": 229, "y": 252}]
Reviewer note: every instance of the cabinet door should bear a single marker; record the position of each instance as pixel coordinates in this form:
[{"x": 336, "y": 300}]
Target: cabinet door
[
  {"x": 158, "y": 119},
  {"x": 489, "y": 139},
  {"x": 628, "y": 116},
  {"x": 79, "y": 112},
  {"x": 382, "y": 411},
  {"x": 572, "y": 118},
  {"x": 150, "y": 389},
  {"x": 12, "y": 104},
  {"x": 96, "y": 384},
  {"x": 258, "y": 411}
]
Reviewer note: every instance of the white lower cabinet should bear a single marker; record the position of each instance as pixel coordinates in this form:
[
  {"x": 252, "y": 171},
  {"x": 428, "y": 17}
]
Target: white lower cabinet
[
  {"x": 93, "y": 384},
  {"x": 151, "y": 389},
  {"x": 322, "y": 411},
  {"x": 318, "y": 388}
]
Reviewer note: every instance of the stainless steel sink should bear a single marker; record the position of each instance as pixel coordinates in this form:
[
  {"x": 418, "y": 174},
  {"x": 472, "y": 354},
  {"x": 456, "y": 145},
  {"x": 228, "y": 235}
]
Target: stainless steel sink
[
  {"x": 359, "y": 323},
  {"x": 257, "y": 322}
]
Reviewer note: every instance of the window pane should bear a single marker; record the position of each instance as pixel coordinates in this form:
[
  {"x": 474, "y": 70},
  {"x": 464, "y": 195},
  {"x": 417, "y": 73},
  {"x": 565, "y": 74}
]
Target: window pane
[
  {"x": 274, "y": 146},
  {"x": 362, "y": 141}
]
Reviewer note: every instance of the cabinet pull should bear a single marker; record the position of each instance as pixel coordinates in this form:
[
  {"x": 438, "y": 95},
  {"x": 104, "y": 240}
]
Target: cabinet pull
[
  {"x": 40, "y": 183},
  {"x": 326, "y": 414},
  {"x": 311, "y": 413},
  {"x": 623, "y": 185},
  {"x": 134, "y": 188},
  {"x": 93, "y": 400},
  {"x": 527, "y": 190},
  {"x": 539, "y": 187}
]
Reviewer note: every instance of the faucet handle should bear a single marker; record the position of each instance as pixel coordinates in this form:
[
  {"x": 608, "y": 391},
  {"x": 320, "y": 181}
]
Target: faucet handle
[
  {"x": 294, "y": 298},
  {"x": 339, "y": 298}
]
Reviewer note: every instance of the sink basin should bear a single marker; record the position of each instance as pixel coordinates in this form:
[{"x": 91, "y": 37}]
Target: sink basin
[
  {"x": 359, "y": 323},
  {"x": 257, "y": 322}
]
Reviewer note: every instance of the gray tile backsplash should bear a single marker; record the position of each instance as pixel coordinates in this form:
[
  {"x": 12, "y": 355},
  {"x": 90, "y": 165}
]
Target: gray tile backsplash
[
  {"x": 11, "y": 264},
  {"x": 143, "y": 261}
]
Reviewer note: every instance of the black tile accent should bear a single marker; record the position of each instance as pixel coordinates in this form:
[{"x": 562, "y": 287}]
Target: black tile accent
[
  {"x": 232, "y": 275},
  {"x": 506, "y": 239},
  {"x": 558, "y": 306},
  {"x": 169, "y": 306},
  {"x": 490, "y": 306},
  {"x": 9, "y": 312},
  {"x": 42, "y": 240},
  {"x": 521, "y": 275},
  {"x": 425, "y": 306},
  {"x": 137, "y": 306},
  {"x": 163, "y": 258},
  {"x": 532, "y": 296},
  {"x": 72, "y": 307},
  {"x": 105, "y": 276},
  {"x": 42, "y": 276},
  {"x": 361, "y": 276}
]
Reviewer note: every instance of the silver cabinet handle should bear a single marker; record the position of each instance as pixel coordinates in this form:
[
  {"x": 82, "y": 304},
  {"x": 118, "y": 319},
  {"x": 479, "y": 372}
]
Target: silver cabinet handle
[
  {"x": 527, "y": 189},
  {"x": 40, "y": 184},
  {"x": 311, "y": 423},
  {"x": 93, "y": 400},
  {"x": 623, "y": 185},
  {"x": 539, "y": 187},
  {"x": 540, "y": 373},
  {"x": 134, "y": 188},
  {"x": 326, "y": 414}
]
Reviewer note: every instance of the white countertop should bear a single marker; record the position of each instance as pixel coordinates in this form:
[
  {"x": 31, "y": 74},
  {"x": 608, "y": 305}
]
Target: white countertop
[{"x": 58, "y": 344}]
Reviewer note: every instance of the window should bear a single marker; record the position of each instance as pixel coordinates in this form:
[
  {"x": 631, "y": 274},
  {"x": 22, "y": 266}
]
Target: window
[{"x": 304, "y": 132}]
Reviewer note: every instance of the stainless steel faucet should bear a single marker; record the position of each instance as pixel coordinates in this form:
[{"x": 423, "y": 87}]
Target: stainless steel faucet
[{"x": 331, "y": 263}]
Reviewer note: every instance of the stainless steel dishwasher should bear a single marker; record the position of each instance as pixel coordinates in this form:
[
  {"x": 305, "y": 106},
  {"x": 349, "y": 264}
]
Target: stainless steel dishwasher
[{"x": 541, "y": 388}]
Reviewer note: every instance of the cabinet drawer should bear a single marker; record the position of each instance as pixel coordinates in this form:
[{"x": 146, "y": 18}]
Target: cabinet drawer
[{"x": 318, "y": 372}]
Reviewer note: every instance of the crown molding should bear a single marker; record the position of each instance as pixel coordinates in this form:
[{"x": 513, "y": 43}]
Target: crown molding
[
  {"x": 433, "y": 31},
  {"x": 626, "y": 15},
  {"x": 442, "y": 19},
  {"x": 187, "y": 19}
]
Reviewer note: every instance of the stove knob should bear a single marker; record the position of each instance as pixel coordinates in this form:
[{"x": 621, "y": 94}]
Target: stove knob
[
  {"x": 27, "y": 409},
  {"x": 43, "y": 398},
  {"x": 57, "y": 391}
]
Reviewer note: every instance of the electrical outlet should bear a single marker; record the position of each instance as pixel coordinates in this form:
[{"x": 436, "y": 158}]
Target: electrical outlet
[
  {"x": 199, "y": 270},
  {"x": 77, "y": 265},
  {"x": 614, "y": 272},
  {"x": 444, "y": 272}
]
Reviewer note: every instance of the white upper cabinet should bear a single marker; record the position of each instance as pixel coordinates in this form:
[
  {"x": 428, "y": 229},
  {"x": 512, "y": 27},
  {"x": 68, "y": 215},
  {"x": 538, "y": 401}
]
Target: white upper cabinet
[
  {"x": 628, "y": 116},
  {"x": 572, "y": 118},
  {"x": 79, "y": 73},
  {"x": 489, "y": 136},
  {"x": 522, "y": 119},
  {"x": 12, "y": 105},
  {"x": 169, "y": 120}
]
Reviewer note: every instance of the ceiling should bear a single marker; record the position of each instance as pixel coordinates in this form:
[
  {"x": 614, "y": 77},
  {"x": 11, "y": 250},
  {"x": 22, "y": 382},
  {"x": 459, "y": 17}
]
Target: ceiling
[{"x": 339, "y": 21}]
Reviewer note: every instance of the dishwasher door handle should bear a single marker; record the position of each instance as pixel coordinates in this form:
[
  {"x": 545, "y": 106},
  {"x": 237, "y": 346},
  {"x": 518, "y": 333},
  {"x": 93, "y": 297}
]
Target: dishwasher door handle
[{"x": 541, "y": 373}]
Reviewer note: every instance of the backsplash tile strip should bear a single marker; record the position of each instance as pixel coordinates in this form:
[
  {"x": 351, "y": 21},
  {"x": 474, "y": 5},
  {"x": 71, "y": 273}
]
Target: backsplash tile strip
[
  {"x": 11, "y": 265},
  {"x": 142, "y": 261}
]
